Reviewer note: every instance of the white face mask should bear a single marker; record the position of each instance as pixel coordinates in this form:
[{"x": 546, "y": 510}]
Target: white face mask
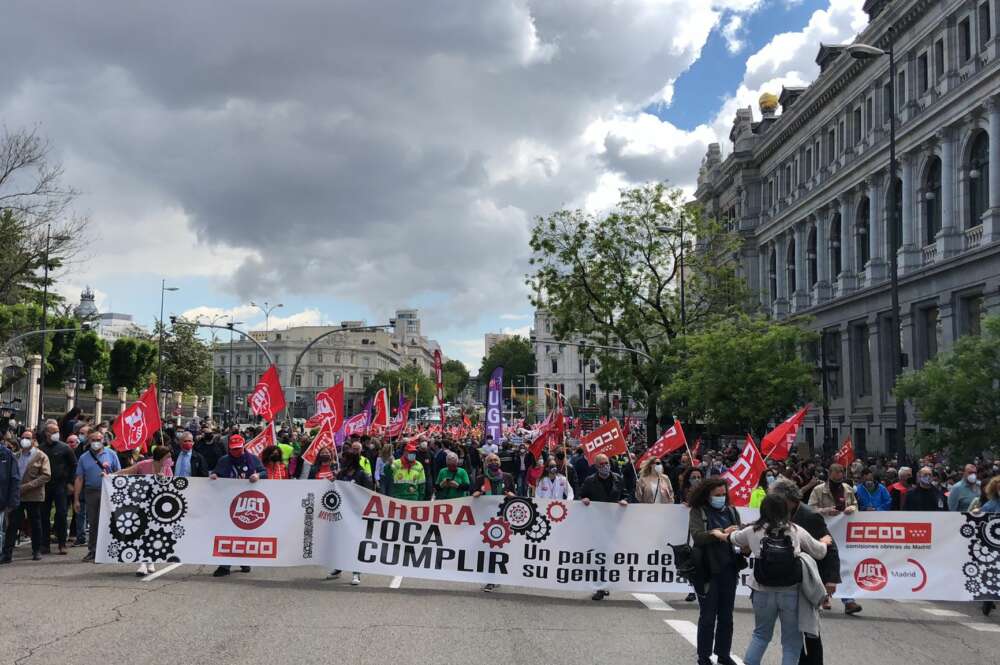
[
  {"x": 96, "y": 446},
  {"x": 25, "y": 443},
  {"x": 658, "y": 468},
  {"x": 54, "y": 436}
]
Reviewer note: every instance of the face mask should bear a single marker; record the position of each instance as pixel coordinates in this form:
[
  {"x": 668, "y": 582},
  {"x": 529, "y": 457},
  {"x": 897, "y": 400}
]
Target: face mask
[
  {"x": 187, "y": 445},
  {"x": 604, "y": 470},
  {"x": 236, "y": 452},
  {"x": 971, "y": 479},
  {"x": 870, "y": 484},
  {"x": 658, "y": 468},
  {"x": 770, "y": 480},
  {"x": 925, "y": 481},
  {"x": 96, "y": 446},
  {"x": 25, "y": 443},
  {"x": 552, "y": 471},
  {"x": 493, "y": 468},
  {"x": 411, "y": 456},
  {"x": 54, "y": 436},
  {"x": 695, "y": 482},
  {"x": 718, "y": 502}
]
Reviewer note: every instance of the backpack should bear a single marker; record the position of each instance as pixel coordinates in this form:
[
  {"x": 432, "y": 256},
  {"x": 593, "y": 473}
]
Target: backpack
[{"x": 777, "y": 565}]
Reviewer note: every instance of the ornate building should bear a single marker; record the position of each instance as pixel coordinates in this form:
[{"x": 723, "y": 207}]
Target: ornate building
[{"x": 808, "y": 191}]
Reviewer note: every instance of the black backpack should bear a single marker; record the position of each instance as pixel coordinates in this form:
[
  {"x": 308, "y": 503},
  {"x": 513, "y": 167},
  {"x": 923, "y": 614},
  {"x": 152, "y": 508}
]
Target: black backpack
[{"x": 777, "y": 565}]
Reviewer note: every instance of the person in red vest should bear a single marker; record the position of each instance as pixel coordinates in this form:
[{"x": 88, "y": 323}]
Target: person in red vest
[{"x": 899, "y": 488}]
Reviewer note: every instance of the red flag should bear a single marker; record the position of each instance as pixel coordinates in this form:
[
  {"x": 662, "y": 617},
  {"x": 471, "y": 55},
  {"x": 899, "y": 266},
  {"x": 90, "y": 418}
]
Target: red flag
[
  {"x": 743, "y": 476},
  {"x": 605, "y": 440},
  {"x": 466, "y": 421},
  {"x": 778, "y": 442},
  {"x": 380, "y": 409},
  {"x": 671, "y": 440},
  {"x": 356, "y": 424},
  {"x": 134, "y": 428},
  {"x": 845, "y": 455},
  {"x": 550, "y": 433},
  {"x": 694, "y": 451},
  {"x": 256, "y": 445},
  {"x": 324, "y": 439},
  {"x": 439, "y": 381},
  {"x": 267, "y": 398},
  {"x": 329, "y": 406},
  {"x": 398, "y": 423}
]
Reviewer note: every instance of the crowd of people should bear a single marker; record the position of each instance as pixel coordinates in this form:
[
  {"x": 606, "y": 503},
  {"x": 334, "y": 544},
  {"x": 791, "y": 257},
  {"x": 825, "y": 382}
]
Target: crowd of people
[{"x": 50, "y": 490}]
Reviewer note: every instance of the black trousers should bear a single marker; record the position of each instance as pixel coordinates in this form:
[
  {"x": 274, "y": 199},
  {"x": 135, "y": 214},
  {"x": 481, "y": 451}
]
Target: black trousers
[
  {"x": 32, "y": 511},
  {"x": 715, "y": 615},
  {"x": 55, "y": 495},
  {"x": 812, "y": 651}
]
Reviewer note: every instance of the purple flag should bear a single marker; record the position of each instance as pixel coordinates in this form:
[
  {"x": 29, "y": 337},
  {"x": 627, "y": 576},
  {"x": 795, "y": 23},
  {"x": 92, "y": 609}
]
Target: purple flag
[{"x": 494, "y": 407}]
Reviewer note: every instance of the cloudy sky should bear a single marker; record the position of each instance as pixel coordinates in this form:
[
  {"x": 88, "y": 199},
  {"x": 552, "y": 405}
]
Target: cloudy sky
[{"x": 346, "y": 158}]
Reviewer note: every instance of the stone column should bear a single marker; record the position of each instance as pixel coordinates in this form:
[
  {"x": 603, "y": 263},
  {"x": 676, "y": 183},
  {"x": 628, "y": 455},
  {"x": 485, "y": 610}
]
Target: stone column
[
  {"x": 780, "y": 305},
  {"x": 991, "y": 220},
  {"x": 210, "y": 404},
  {"x": 122, "y": 399},
  {"x": 801, "y": 295},
  {"x": 194, "y": 410},
  {"x": 875, "y": 270},
  {"x": 179, "y": 396},
  {"x": 821, "y": 292},
  {"x": 98, "y": 402},
  {"x": 34, "y": 407},
  {"x": 848, "y": 275},
  {"x": 909, "y": 253},
  {"x": 949, "y": 238},
  {"x": 68, "y": 389}
]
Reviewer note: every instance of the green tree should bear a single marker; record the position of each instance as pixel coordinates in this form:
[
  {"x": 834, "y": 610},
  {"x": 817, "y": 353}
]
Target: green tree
[
  {"x": 959, "y": 393},
  {"x": 613, "y": 279},
  {"x": 18, "y": 319},
  {"x": 405, "y": 379},
  {"x": 516, "y": 357},
  {"x": 740, "y": 374},
  {"x": 94, "y": 357},
  {"x": 187, "y": 359},
  {"x": 131, "y": 363},
  {"x": 455, "y": 376},
  {"x": 61, "y": 351}
]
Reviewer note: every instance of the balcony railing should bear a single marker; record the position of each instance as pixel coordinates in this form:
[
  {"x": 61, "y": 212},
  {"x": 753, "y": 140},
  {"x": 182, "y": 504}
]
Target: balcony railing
[
  {"x": 973, "y": 236},
  {"x": 929, "y": 253}
]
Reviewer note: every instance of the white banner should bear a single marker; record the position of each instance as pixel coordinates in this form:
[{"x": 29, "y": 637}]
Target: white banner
[{"x": 512, "y": 541}]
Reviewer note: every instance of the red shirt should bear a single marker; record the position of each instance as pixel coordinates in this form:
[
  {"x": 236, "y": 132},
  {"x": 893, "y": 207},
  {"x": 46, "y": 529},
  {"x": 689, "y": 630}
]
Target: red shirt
[
  {"x": 276, "y": 471},
  {"x": 324, "y": 473}
]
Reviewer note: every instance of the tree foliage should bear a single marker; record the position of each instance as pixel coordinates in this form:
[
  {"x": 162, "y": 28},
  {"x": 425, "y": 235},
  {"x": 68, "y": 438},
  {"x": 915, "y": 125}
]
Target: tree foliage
[
  {"x": 740, "y": 374},
  {"x": 94, "y": 357},
  {"x": 959, "y": 393},
  {"x": 613, "y": 279},
  {"x": 514, "y": 354},
  {"x": 455, "y": 376},
  {"x": 131, "y": 363},
  {"x": 407, "y": 380},
  {"x": 187, "y": 359}
]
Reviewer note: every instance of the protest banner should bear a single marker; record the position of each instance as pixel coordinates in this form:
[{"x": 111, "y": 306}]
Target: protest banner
[{"x": 507, "y": 540}]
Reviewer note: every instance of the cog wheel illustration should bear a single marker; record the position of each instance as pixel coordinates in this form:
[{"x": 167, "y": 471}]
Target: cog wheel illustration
[
  {"x": 983, "y": 553},
  {"x": 119, "y": 482},
  {"x": 119, "y": 497},
  {"x": 139, "y": 492},
  {"x": 520, "y": 513},
  {"x": 128, "y": 554},
  {"x": 164, "y": 481},
  {"x": 168, "y": 507},
  {"x": 114, "y": 549},
  {"x": 967, "y": 531},
  {"x": 128, "y": 523},
  {"x": 331, "y": 500},
  {"x": 496, "y": 532},
  {"x": 973, "y": 587},
  {"x": 178, "y": 531},
  {"x": 556, "y": 512},
  {"x": 180, "y": 483},
  {"x": 990, "y": 533},
  {"x": 540, "y": 530},
  {"x": 970, "y": 570},
  {"x": 158, "y": 545}
]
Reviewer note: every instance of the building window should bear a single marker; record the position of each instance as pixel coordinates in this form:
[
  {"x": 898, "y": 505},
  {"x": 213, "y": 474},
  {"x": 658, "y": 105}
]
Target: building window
[
  {"x": 350, "y": 380},
  {"x": 939, "y": 58},
  {"x": 926, "y": 334},
  {"x": 809, "y": 162},
  {"x": 835, "y": 266},
  {"x": 869, "y": 114},
  {"x": 857, "y": 125},
  {"x": 965, "y": 40},
  {"x": 365, "y": 362},
  {"x": 840, "y": 136},
  {"x": 886, "y": 104},
  {"x": 238, "y": 359},
  {"x": 861, "y": 360},
  {"x": 298, "y": 381},
  {"x": 770, "y": 192},
  {"x": 336, "y": 358},
  {"x": 555, "y": 366},
  {"x": 772, "y": 274},
  {"x": 319, "y": 356},
  {"x": 901, "y": 89},
  {"x": 979, "y": 178},
  {"x": 923, "y": 75},
  {"x": 895, "y": 222},
  {"x": 831, "y": 146},
  {"x": 970, "y": 312},
  {"x": 932, "y": 201},
  {"x": 811, "y": 263},
  {"x": 788, "y": 179},
  {"x": 861, "y": 229},
  {"x": 816, "y": 156},
  {"x": 319, "y": 379},
  {"x": 885, "y": 355},
  {"x": 790, "y": 268},
  {"x": 831, "y": 354},
  {"x": 984, "y": 25}
]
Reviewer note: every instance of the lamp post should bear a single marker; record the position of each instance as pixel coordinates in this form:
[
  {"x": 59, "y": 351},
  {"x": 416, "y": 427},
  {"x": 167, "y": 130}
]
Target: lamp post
[
  {"x": 232, "y": 397},
  {"x": 211, "y": 390},
  {"x": 266, "y": 309},
  {"x": 159, "y": 349},
  {"x": 869, "y": 52}
]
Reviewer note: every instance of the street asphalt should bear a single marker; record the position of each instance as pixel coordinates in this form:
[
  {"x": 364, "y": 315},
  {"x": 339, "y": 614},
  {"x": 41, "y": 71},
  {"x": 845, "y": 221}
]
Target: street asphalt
[{"x": 62, "y": 611}]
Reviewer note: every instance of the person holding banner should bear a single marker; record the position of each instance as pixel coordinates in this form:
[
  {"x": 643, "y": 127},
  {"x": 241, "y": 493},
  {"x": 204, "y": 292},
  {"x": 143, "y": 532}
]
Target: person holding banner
[
  {"x": 494, "y": 481},
  {"x": 351, "y": 471},
  {"x": 237, "y": 465},
  {"x": 91, "y": 468},
  {"x": 653, "y": 486},
  {"x": 831, "y": 499},
  {"x": 159, "y": 464},
  {"x": 603, "y": 486},
  {"x": 408, "y": 481},
  {"x": 710, "y": 513},
  {"x": 554, "y": 485},
  {"x": 452, "y": 480}
]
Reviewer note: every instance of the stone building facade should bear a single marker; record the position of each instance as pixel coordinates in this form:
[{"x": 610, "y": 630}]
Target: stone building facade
[{"x": 809, "y": 190}]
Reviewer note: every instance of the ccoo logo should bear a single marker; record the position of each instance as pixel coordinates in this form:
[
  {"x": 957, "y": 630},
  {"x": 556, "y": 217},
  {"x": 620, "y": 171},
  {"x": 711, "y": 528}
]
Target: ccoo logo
[
  {"x": 249, "y": 509},
  {"x": 871, "y": 575}
]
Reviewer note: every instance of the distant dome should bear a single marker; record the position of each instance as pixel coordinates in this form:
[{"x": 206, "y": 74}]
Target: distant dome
[
  {"x": 768, "y": 102},
  {"x": 87, "y": 309}
]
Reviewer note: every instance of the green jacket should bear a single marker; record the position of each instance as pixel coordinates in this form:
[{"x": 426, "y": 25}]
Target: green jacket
[
  {"x": 408, "y": 483},
  {"x": 459, "y": 476}
]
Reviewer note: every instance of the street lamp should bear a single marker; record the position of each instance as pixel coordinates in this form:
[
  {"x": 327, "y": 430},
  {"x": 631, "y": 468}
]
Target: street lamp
[
  {"x": 267, "y": 309},
  {"x": 211, "y": 390},
  {"x": 869, "y": 52},
  {"x": 159, "y": 362}
]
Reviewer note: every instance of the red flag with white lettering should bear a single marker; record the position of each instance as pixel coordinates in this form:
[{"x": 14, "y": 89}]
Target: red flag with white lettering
[
  {"x": 398, "y": 423},
  {"x": 324, "y": 439},
  {"x": 380, "y": 409},
  {"x": 671, "y": 440},
  {"x": 329, "y": 406},
  {"x": 267, "y": 399},
  {"x": 845, "y": 455},
  {"x": 256, "y": 445},
  {"x": 743, "y": 476},
  {"x": 605, "y": 440},
  {"x": 134, "y": 428},
  {"x": 777, "y": 443}
]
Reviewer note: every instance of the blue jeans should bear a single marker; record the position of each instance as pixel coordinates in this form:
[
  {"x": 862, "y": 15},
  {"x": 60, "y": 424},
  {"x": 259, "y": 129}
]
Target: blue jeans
[{"x": 768, "y": 607}]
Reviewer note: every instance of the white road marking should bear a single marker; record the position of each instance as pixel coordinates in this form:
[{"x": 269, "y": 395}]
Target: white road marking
[
  {"x": 689, "y": 632},
  {"x": 943, "y": 613},
  {"x": 653, "y": 602},
  {"x": 396, "y": 581},
  {"x": 914, "y": 602},
  {"x": 984, "y": 627},
  {"x": 161, "y": 571}
]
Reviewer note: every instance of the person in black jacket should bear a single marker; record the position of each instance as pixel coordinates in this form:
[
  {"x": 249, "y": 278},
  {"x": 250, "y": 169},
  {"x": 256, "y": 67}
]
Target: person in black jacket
[
  {"x": 10, "y": 490},
  {"x": 211, "y": 447},
  {"x": 62, "y": 462},
  {"x": 829, "y": 566},
  {"x": 925, "y": 495},
  {"x": 187, "y": 460},
  {"x": 351, "y": 472},
  {"x": 604, "y": 486}
]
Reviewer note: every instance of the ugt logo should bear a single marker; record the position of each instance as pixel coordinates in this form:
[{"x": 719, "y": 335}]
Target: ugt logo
[
  {"x": 135, "y": 426},
  {"x": 249, "y": 509},
  {"x": 260, "y": 400}
]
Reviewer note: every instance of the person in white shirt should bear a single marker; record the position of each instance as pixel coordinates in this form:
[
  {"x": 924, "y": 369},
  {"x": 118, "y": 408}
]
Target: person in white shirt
[{"x": 554, "y": 485}]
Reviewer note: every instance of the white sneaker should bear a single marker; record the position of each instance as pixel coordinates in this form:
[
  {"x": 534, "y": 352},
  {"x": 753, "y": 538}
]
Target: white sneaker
[
  {"x": 151, "y": 568},
  {"x": 356, "y": 579},
  {"x": 142, "y": 570}
]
